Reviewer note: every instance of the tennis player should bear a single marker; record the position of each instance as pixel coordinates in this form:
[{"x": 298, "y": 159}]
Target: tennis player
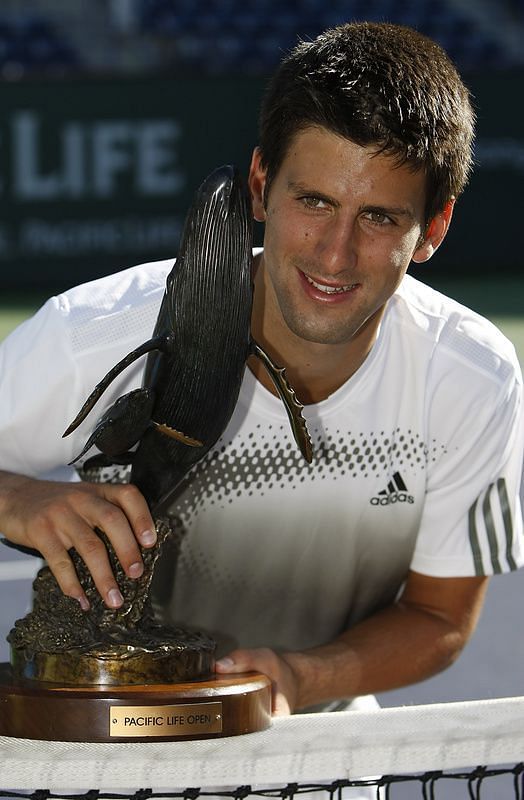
[{"x": 366, "y": 569}]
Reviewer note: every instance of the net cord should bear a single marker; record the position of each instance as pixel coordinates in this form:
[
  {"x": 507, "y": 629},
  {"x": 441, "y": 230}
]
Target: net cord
[{"x": 315, "y": 748}]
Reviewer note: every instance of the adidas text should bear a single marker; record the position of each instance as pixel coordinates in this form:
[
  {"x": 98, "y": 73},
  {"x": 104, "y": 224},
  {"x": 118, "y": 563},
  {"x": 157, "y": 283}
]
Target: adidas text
[{"x": 394, "y": 497}]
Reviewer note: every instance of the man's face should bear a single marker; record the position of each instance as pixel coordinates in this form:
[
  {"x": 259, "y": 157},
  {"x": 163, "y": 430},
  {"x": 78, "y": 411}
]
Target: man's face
[{"x": 342, "y": 226}]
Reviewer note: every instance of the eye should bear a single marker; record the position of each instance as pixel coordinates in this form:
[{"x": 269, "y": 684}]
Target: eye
[
  {"x": 378, "y": 217},
  {"x": 312, "y": 201}
]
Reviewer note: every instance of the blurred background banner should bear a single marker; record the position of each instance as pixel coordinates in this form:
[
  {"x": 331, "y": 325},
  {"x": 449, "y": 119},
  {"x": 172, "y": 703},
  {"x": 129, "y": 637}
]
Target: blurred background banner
[
  {"x": 114, "y": 112},
  {"x": 97, "y": 175}
]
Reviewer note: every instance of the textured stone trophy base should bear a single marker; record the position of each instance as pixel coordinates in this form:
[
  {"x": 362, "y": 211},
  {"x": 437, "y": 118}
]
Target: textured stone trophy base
[{"x": 144, "y": 655}]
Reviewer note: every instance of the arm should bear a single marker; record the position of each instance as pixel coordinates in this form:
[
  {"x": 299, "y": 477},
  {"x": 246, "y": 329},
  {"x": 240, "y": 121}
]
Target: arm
[
  {"x": 47, "y": 366},
  {"x": 53, "y": 517},
  {"x": 419, "y": 635}
]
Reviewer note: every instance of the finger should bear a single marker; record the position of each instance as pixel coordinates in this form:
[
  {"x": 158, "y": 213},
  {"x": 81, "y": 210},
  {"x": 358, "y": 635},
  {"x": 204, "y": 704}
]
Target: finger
[
  {"x": 63, "y": 569},
  {"x": 134, "y": 505},
  {"x": 73, "y": 532},
  {"x": 279, "y": 704},
  {"x": 95, "y": 556},
  {"x": 258, "y": 659},
  {"x": 262, "y": 660},
  {"x": 61, "y": 565},
  {"x": 109, "y": 517},
  {"x": 237, "y": 661}
]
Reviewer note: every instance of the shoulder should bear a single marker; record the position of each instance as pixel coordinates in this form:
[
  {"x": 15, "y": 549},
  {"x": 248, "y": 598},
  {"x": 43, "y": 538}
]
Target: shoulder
[
  {"x": 50, "y": 363},
  {"x": 455, "y": 338},
  {"x": 128, "y": 289},
  {"x": 121, "y": 307}
]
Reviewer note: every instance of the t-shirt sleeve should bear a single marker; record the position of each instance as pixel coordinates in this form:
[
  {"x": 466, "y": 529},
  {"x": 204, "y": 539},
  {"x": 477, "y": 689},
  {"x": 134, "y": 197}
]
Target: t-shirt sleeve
[
  {"x": 51, "y": 363},
  {"x": 472, "y": 519},
  {"x": 45, "y": 378},
  {"x": 37, "y": 389}
]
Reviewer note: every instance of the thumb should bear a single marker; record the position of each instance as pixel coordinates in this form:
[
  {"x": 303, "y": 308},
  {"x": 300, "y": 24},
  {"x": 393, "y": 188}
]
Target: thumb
[{"x": 237, "y": 661}]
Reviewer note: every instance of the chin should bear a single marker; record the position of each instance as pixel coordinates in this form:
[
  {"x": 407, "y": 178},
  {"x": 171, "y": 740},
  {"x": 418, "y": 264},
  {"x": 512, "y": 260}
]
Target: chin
[{"x": 318, "y": 335}]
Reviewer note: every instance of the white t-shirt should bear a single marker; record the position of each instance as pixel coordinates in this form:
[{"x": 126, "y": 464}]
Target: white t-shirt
[{"x": 416, "y": 464}]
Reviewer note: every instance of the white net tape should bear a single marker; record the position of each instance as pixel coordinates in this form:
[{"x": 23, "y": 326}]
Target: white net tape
[{"x": 302, "y": 748}]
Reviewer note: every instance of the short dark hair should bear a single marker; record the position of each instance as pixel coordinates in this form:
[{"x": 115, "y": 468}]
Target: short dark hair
[{"x": 377, "y": 84}]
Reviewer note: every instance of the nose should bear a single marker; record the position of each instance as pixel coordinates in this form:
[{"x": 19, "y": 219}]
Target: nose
[{"x": 337, "y": 245}]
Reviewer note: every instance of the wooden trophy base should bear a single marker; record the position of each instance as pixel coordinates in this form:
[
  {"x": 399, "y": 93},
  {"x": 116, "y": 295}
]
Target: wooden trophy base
[{"x": 221, "y": 706}]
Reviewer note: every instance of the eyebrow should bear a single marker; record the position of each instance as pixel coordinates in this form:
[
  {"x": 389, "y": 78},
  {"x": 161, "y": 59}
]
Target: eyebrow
[
  {"x": 393, "y": 211},
  {"x": 397, "y": 211}
]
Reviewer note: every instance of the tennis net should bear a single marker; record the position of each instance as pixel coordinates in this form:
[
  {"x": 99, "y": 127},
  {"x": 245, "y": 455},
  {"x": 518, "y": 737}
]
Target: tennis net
[{"x": 471, "y": 749}]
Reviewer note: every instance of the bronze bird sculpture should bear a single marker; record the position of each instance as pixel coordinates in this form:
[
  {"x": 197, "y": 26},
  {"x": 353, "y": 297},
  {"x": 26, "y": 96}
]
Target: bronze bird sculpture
[{"x": 198, "y": 352}]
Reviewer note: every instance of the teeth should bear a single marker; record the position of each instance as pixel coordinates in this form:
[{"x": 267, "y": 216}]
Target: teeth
[{"x": 330, "y": 289}]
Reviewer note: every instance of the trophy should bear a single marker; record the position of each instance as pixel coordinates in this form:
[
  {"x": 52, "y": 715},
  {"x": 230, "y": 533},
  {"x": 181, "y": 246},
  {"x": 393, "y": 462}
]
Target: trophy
[{"x": 115, "y": 675}]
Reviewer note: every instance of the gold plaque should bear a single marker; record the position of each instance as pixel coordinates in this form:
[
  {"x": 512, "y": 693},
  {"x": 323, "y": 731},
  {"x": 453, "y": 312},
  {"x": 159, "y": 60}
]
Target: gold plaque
[{"x": 183, "y": 719}]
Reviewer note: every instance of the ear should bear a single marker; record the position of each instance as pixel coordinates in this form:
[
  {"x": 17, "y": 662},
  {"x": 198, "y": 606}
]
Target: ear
[
  {"x": 257, "y": 185},
  {"x": 435, "y": 233}
]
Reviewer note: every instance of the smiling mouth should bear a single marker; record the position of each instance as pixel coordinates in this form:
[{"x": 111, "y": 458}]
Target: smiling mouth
[{"x": 322, "y": 287}]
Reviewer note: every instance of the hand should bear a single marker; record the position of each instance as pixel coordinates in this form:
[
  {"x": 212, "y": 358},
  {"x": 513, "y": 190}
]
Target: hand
[
  {"x": 277, "y": 667},
  {"x": 53, "y": 517}
]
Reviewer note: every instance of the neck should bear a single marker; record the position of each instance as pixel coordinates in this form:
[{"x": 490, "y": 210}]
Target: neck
[{"x": 314, "y": 370}]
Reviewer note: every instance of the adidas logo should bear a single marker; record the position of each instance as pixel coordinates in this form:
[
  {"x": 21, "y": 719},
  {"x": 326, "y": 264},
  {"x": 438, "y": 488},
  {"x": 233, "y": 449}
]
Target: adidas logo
[{"x": 396, "y": 492}]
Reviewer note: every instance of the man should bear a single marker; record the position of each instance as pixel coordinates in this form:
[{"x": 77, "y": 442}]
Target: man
[{"x": 365, "y": 570}]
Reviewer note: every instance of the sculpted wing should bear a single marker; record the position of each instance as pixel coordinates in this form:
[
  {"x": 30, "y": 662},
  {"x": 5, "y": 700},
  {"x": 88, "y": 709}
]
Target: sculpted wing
[
  {"x": 289, "y": 398},
  {"x": 157, "y": 343}
]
